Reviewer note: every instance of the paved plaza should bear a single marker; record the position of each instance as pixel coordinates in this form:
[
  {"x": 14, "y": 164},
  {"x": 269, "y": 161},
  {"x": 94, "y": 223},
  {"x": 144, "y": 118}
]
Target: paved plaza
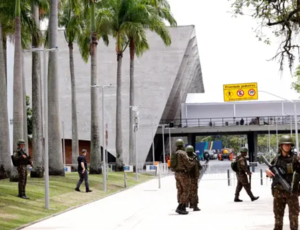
[{"x": 146, "y": 207}]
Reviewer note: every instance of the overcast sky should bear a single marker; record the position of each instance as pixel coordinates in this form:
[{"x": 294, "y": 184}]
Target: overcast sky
[{"x": 229, "y": 50}]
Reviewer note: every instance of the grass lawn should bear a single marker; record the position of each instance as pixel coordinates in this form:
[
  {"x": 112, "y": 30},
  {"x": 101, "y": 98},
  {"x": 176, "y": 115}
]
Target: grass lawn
[{"x": 15, "y": 212}]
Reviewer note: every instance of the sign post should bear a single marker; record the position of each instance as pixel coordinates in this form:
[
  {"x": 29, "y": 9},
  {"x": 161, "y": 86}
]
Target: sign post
[{"x": 240, "y": 92}]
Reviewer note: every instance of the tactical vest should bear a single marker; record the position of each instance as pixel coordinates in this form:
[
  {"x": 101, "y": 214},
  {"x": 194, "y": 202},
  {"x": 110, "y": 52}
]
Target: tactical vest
[{"x": 287, "y": 165}]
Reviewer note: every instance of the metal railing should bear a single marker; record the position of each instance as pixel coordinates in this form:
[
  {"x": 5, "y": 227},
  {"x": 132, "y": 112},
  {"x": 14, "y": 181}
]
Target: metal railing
[{"x": 229, "y": 121}]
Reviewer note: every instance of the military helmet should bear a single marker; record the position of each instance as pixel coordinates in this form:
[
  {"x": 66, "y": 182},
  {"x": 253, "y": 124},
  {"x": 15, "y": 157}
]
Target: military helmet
[
  {"x": 20, "y": 141},
  {"x": 286, "y": 139},
  {"x": 179, "y": 142},
  {"x": 189, "y": 149},
  {"x": 243, "y": 150}
]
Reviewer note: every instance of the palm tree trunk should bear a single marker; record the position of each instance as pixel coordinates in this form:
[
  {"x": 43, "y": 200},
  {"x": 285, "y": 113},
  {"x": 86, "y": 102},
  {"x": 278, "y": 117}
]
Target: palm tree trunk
[
  {"x": 131, "y": 102},
  {"x": 5, "y": 162},
  {"x": 37, "y": 125},
  {"x": 75, "y": 147},
  {"x": 95, "y": 167},
  {"x": 18, "y": 120},
  {"x": 119, "y": 153},
  {"x": 25, "y": 129},
  {"x": 55, "y": 144}
]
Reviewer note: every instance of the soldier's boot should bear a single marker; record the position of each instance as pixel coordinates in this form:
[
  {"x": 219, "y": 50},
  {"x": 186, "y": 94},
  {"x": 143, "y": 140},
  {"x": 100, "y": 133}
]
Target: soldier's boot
[
  {"x": 253, "y": 198},
  {"x": 183, "y": 210},
  {"x": 196, "y": 208}
]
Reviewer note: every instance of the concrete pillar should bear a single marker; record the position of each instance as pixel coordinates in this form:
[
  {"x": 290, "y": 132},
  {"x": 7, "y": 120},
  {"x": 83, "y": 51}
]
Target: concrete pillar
[
  {"x": 252, "y": 145},
  {"x": 192, "y": 139}
]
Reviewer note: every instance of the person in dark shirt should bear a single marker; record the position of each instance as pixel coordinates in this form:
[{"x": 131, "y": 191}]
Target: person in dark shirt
[{"x": 82, "y": 171}]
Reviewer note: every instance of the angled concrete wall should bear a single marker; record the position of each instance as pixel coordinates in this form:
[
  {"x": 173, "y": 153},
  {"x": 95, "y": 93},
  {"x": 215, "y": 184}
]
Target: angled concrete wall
[{"x": 155, "y": 74}]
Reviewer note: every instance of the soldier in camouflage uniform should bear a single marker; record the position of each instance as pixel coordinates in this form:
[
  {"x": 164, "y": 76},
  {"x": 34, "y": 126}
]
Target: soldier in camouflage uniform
[
  {"x": 22, "y": 159},
  {"x": 289, "y": 163},
  {"x": 183, "y": 181},
  {"x": 194, "y": 174},
  {"x": 242, "y": 178}
]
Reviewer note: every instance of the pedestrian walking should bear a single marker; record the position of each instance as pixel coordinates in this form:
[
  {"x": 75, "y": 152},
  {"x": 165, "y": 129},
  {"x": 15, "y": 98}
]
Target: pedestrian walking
[{"x": 82, "y": 171}]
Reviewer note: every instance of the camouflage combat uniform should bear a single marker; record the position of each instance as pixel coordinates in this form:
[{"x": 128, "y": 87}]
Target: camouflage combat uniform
[
  {"x": 183, "y": 181},
  {"x": 194, "y": 174},
  {"x": 22, "y": 169},
  {"x": 242, "y": 178},
  {"x": 288, "y": 164}
]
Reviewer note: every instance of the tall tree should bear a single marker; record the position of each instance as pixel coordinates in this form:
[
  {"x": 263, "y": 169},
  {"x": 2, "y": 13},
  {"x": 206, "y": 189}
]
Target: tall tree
[
  {"x": 18, "y": 119},
  {"x": 8, "y": 19},
  {"x": 282, "y": 17},
  {"x": 151, "y": 15},
  {"x": 5, "y": 163},
  {"x": 71, "y": 20},
  {"x": 37, "y": 124},
  {"x": 96, "y": 27},
  {"x": 55, "y": 144}
]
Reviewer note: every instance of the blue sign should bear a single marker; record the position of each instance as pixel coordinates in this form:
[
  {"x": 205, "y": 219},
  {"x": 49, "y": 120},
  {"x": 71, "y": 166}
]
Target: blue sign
[
  {"x": 126, "y": 168},
  {"x": 66, "y": 169},
  {"x": 152, "y": 167}
]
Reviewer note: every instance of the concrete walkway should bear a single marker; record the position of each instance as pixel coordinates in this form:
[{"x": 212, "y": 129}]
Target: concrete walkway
[{"x": 146, "y": 207}]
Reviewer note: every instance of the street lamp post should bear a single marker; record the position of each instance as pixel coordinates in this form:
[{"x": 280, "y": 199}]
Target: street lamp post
[
  {"x": 103, "y": 133},
  {"x": 269, "y": 140},
  {"x": 163, "y": 139},
  {"x": 46, "y": 148},
  {"x": 276, "y": 134},
  {"x": 153, "y": 154},
  {"x": 135, "y": 129},
  {"x": 291, "y": 123},
  {"x": 170, "y": 142},
  {"x": 295, "y": 114},
  {"x": 64, "y": 143}
]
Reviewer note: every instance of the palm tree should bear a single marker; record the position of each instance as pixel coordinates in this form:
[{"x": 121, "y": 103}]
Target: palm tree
[
  {"x": 71, "y": 20},
  {"x": 151, "y": 15},
  {"x": 55, "y": 144},
  {"x": 96, "y": 27},
  {"x": 5, "y": 162},
  {"x": 8, "y": 16},
  {"x": 18, "y": 119},
  {"x": 37, "y": 124}
]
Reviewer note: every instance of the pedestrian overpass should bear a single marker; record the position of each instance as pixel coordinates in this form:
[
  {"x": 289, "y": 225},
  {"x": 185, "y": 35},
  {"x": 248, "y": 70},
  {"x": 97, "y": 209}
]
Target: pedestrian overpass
[{"x": 231, "y": 118}]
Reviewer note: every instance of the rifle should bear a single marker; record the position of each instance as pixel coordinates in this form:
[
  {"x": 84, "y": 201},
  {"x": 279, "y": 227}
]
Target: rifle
[
  {"x": 278, "y": 175},
  {"x": 28, "y": 160}
]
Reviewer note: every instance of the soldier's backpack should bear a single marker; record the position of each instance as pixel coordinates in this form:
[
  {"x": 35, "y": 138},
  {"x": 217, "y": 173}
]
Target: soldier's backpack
[
  {"x": 14, "y": 161},
  {"x": 234, "y": 165},
  {"x": 174, "y": 161}
]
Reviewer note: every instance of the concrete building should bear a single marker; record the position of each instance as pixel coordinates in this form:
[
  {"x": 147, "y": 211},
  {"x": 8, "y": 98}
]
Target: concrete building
[{"x": 163, "y": 77}]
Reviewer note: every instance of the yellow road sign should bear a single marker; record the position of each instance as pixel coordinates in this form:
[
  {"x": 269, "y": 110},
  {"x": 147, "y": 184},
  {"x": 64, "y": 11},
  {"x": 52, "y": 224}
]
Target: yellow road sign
[{"x": 240, "y": 92}]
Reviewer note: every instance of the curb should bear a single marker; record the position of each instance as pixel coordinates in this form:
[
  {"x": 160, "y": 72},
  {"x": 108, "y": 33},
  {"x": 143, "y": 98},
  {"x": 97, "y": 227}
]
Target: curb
[{"x": 78, "y": 206}]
